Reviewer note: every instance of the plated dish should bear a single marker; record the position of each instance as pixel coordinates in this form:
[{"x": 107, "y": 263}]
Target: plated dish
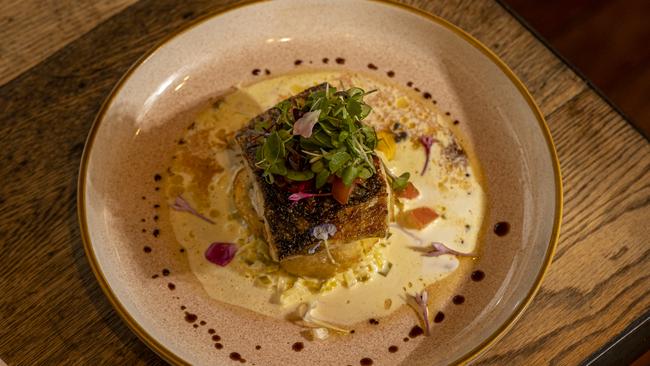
[{"x": 331, "y": 204}]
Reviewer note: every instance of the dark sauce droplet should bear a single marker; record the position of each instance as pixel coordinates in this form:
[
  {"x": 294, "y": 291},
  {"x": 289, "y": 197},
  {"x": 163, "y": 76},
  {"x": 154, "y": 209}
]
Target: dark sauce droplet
[
  {"x": 416, "y": 331},
  {"x": 258, "y": 347},
  {"x": 183, "y": 307},
  {"x": 297, "y": 62},
  {"x": 416, "y": 89},
  {"x": 216, "y": 338},
  {"x": 154, "y": 276},
  {"x": 393, "y": 349},
  {"x": 426, "y": 95},
  {"x": 409, "y": 84},
  {"x": 440, "y": 316},
  {"x": 218, "y": 345},
  {"x": 477, "y": 275},
  {"x": 144, "y": 198},
  {"x": 447, "y": 113},
  {"x": 195, "y": 325},
  {"x": 405, "y": 339},
  {"x": 456, "y": 122},
  {"x": 156, "y": 206},
  {"x": 211, "y": 331},
  {"x": 156, "y": 233},
  {"x": 256, "y": 72},
  {"x": 501, "y": 228},
  {"x": 458, "y": 299},
  {"x": 190, "y": 318},
  {"x": 147, "y": 249},
  {"x": 235, "y": 356},
  {"x": 298, "y": 346},
  {"x": 267, "y": 71},
  {"x": 157, "y": 177},
  {"x": 202, "y": 322},
  {"x": 373, "y": 321},
  {"x": 340, "y": 60},
  {"x": 165, "y": 272},
  {"x": 155, "y": 218},
  {"x": 366, "y": 361},
  {"x": 372, "y": 66},
  {"x": 171, "y": 286},
  {"x": 325, "y": 60},
  {"x": 390, "y": 73},
  {"x": 182, "y": 250}
]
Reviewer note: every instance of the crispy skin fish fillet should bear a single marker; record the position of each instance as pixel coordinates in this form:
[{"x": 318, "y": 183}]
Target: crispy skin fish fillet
[{"x": 287, "y": 227}]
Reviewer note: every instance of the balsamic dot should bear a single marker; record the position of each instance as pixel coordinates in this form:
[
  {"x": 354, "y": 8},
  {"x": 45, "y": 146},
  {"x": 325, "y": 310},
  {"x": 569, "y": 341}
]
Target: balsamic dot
[
  {"x": 156, "y": 233},
  {"x": 501, "y": 228},
  {"x": 458, "y": 299},
  {"x": 211, "y": 331},
  {"x": 267, "y": 71},
  {"x": 144, "y": 230},
  {"x": 390, "y": 73},
  {"x": 256, "y": 72},
  {"x": 183, "y": 307},
  {"x": 165, "y": 272},
  {"x": 171, "y": 286},
  {"x": 372, "y": 66},
  {"x": 477, "y": 275},
  {"x": 447, "y": 114},
  {"x": 143, "y": 220},
  {"x": 190, "y": 318},
  {"x": 258, "y": 347},
  {"x": 416, "y": 89},
  {"x": 157, "y": 177},
  {"x": 218, "y": 345},
  {"x": 366, "y": 361},
  {"x": 216, "y": 338},
  {"x": 409, "y": 84},
  {"x": 182, "y": 250},
  {"x": 147, "y": 249},
  {"x": 297, "y": 62},
  {"x": 440, "y": 316},
  {"x": 405, "y": 339},
  {"x": 157, "y": 188},
  {"x": 456, "y": 121},
  {"x": 326, "y": 60},
  {"x": 340, "y": 60},
  {"x": 144, "y": 198},
  {"x": 154, "y": 276},
  {"x": 202, "y": 322},
  {"x": 195, "y": 325},
  {"x": 435, "y": 101},
  {"x": 155, "y": 218},
  {"x": 156, "y": 206},
  {"x": 392, "y": 349}
]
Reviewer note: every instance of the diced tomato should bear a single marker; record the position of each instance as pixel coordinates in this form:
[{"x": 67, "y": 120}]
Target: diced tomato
[
  {"x": 341, "y": 192},
  {"x": 417, "y": 218},
  {"x": 409, "y": 192}
]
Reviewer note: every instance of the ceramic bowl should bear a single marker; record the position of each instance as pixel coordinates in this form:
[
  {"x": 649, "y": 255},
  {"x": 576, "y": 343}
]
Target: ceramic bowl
[{"x": 136, "y": 128}]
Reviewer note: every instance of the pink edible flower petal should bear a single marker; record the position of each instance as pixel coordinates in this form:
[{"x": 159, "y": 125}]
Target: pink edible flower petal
[
  {"x": 180, "y": 204},
  {"x": 221, "y": 253},
  {"x": 426, "y": 141},
  {"x": 422, "y": 300},
  {"x": 295, "y": 197},
  {"x": 438, "y": 249},
  {"x": 305, "y": 124}
]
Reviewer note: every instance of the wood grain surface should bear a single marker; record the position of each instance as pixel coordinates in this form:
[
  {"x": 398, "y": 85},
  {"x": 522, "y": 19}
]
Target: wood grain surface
[{"x": 52, "y": 311}]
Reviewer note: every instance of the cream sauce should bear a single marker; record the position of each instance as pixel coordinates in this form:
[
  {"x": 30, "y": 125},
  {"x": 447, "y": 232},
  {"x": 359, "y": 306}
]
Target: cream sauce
[{"x": 207, "y": 161}]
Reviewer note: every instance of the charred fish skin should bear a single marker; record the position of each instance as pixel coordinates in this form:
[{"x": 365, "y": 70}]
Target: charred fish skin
[{"x": 289, "y": 224}]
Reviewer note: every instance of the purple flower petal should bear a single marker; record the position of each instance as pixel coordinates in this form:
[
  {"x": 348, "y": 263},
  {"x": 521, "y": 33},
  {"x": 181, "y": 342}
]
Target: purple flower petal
[
  {"x": 221, "y": 253},
  {"x": 422, "y": 300},
  {"x": 301, "y": 195},
  {"x": 323, "y": 231},
  {"x": 426, "y": 141},
  {"x": 180, "y": 204},
  {"x": 438, "y": 249},
  {"x": 305, "y": 124}
]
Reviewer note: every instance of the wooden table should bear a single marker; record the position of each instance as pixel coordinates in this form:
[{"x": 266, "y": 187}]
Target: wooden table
[{"x": 59, "y": 60}]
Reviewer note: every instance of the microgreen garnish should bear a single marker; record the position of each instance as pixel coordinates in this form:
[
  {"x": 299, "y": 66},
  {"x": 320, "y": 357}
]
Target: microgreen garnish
[
  {"x": 317, "y": 137},
  {"x": 295, "y": 197},
  {"x": 396, "y": 183},
  {"x": 180, "y": 204},
  {"x": 324, "y": 232},
  {"x": 438, "y": 249},
  {"x": 426, "y": 141},
  {"x": 421, "y": 300}
]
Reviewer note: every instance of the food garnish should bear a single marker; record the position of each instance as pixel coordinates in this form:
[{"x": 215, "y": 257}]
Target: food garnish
[
  {"x": 324, "y": 232},
  {"x": 180, "y": 204},
  {"x": 302, "y": 195},
  {"x": 409, "y": 192},
  {"x": 221, "y": 253},
  {"x": 421, "y": 299},
  {"x": 437, "y": 249},
  {"x": 321, "y": 138},
  {"x": 307, "y": 318},
  {"x": 427, "y": 142},
  {"x": 417, "y": 218}
]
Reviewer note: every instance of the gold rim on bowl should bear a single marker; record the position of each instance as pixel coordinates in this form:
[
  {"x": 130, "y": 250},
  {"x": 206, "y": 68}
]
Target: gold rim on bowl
[{"x": 171, "y": 357}]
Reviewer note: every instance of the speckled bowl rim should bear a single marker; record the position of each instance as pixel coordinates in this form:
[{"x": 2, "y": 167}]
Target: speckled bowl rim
[{"x": 172, "y": 358}]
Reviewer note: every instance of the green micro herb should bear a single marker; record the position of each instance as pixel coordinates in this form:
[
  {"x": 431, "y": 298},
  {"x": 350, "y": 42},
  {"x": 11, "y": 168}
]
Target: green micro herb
[{"x": 319, "y": 137}]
